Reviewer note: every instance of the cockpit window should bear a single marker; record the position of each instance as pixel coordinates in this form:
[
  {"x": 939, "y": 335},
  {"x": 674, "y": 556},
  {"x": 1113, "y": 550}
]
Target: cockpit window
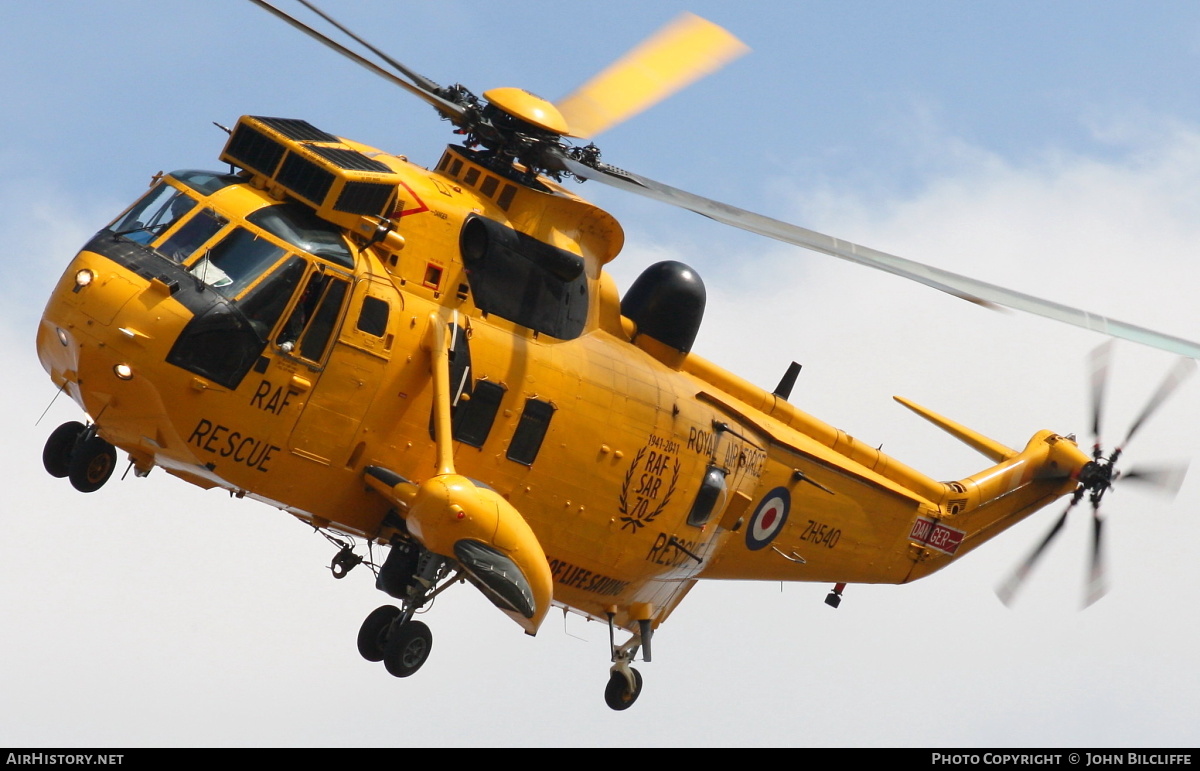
[
  {"x": 206, "y": 182},
  {"x": 235, "y": 261},
  {"x": 153, "y": 214},
  {"x": 312, "y": 345},
  {"x": 310, "y": 326},
  {"x": 192, "y": 234},
  {"x": 304, "y": 230},
  {"x": 264, "y": 304},
  {"x": 226, "y": 336}
]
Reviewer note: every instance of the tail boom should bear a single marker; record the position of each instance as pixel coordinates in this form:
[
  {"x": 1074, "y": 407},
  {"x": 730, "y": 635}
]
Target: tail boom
[{"x": 976, "y": 509}]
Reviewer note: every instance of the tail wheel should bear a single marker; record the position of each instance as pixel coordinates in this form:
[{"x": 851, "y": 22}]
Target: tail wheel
[
  {"x": 373, "y": 634},
  {"x": 91, "y": 465},
  {"x": 56, "y": 456},
  {"x": 618, "y": 695},
  {"x": 407, "y": 648}
]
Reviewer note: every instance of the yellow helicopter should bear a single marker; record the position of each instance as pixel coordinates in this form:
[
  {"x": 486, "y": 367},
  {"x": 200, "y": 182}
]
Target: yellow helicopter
[{"x": 435, "y": 360}]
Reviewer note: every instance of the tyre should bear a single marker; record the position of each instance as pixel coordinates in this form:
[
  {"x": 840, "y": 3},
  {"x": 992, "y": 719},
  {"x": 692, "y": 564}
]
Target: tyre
[
  {"x": 92, "y": 463},
  {"x": 617, "y": 694},
  {"x": 373, "y": 634},
  {"x": 407, "y": 649},
  {"x": 56, "y": 455}
]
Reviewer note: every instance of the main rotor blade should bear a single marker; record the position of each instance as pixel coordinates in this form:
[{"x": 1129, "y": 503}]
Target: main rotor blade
[
  {"x": 420, "y": 80},
  {"x": 448, "y": 109},
  {"x": 1008, "y": 589},
  {"x": 1180, "y": 372},
  {"x": 682, "y": 52},
  {"x": 976, "y": 291}
]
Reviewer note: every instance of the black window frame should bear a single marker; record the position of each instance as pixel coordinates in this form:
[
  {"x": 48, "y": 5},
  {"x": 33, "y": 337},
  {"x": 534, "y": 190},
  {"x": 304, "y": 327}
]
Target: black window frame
[
  {"x": 531, "y": 431},
  {"x": 474, "y": 417}
]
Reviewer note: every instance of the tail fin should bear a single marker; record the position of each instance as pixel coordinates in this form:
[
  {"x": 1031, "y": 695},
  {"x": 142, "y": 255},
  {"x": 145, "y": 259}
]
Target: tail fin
[{"x": 977, "y": 441}]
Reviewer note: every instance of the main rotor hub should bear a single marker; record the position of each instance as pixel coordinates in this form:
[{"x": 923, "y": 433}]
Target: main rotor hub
[{"x": 530, "y": 108}]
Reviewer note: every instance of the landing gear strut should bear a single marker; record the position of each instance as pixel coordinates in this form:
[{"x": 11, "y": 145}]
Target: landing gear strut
[
  {"x": 390, "y": 634},
  {"x": 624, "y": 682},
  {"x": 73, "y": 450}
]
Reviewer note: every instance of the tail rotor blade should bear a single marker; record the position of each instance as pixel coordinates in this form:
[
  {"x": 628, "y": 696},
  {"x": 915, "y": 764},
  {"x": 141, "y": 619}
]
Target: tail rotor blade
[
  {"x": 1098, "y": 362},
  {"x": 1008, "y": 590},
  {"x": 1161, "y": 479},
  {"x": 1096, "y": 586},
  {"x": 1180, "y": 372}
]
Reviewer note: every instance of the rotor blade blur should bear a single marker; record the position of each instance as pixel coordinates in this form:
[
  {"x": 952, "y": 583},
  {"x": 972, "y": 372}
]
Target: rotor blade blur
[
  {"x": 1162, "y": 479},
  {"x": 1096, "y": 587},
  {"x": 1180, "y": 372},
  {"x": 970, "y": 289},
  {"x": 1008, "y": 590},
  {"x": 682, "y": 52},
  {"x": 420, "y": 80},
  {"x": 446, "y": 108},
  {"x": 1098, "y": 361}
]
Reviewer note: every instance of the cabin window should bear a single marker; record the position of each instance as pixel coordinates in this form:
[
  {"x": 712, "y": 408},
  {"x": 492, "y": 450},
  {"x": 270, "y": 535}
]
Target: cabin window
[
  {"x": 474, "y": 417},
  {"x": 192, "y": 235},
  {"x": 373, "y": 317},
  {"x": 461, "y": 384},
  {"x": 711, "y": 497},
  {"x": 154, "y": 214},
  {"x": 460, "y": 364},
  {"x": 531, "y": 430}
]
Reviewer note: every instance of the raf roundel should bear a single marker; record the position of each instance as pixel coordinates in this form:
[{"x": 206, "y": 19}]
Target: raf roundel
[{"x": 768, "y": 519}]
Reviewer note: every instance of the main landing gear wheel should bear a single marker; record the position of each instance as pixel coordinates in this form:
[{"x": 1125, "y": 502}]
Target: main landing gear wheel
[
  {"x": 373, "y": 634},
  {"x": 618, "y": 695},
  {"x": 407, "y": 648},
  {"x": 56, "y": 455},
  {"x": 92, "y": 463}
]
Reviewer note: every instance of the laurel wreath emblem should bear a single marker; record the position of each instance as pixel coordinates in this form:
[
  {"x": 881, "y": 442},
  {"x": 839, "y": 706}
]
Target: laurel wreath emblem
[{"x": 636, "y": 523}]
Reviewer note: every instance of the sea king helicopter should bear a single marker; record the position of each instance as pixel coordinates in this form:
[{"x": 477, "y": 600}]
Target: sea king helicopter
[{"x": 434, "y": 361}]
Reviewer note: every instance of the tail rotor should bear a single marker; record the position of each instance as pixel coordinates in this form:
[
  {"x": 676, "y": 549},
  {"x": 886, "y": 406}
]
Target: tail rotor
[{"x": 1098, "y": 477}]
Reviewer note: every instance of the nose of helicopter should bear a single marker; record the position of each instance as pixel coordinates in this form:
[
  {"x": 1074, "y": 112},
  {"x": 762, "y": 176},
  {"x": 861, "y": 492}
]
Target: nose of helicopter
[{"x": 96, "y": 344}]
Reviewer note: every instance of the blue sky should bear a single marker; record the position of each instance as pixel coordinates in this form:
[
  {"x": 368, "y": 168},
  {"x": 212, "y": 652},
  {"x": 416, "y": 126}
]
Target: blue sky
[{"x": 1049, "y": 147}]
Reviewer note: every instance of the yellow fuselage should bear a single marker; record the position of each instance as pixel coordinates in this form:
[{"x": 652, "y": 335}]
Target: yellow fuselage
[{"x": 628, "y": 426}]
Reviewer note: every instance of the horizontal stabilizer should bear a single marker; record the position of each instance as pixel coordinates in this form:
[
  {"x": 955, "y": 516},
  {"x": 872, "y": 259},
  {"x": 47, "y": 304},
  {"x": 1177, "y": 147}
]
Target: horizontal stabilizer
[{"x": 989, "y": 447}]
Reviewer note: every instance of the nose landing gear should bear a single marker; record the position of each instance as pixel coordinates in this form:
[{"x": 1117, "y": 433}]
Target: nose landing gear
[{"x": 73, "y": 450}]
